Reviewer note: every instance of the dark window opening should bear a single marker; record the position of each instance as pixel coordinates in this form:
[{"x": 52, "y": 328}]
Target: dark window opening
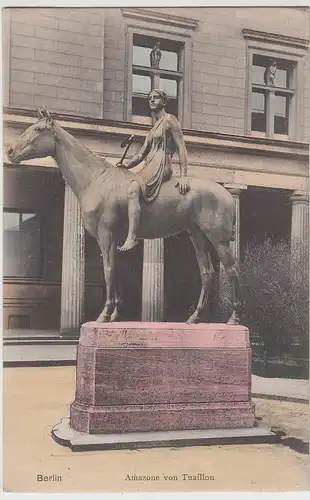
[
  {"x": 258, "y": 112},
  {"x": 283, "y": 75},
  {"x": 21, "y": 244},
  {"x": 271, "y": 96},
  {"x": 170, "y": 52},
  {"x": 264, "y": 214},
  {"x": 281, "y": 114},
  {"x": 144, "y": 78}
]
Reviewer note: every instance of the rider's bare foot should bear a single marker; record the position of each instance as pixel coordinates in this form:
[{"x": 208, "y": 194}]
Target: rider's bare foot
[{"x": 128, "y": 245}]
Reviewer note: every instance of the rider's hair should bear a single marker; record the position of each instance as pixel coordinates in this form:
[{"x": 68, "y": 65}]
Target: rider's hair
[{"x": 161, "y": 94}]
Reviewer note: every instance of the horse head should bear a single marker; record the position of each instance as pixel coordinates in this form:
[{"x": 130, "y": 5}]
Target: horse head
[{"x": 38, "y": 141}]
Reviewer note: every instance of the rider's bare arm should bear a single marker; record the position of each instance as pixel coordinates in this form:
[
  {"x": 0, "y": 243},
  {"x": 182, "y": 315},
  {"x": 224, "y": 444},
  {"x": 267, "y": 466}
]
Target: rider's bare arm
[
  {"x": 139, "y": 156},
  {"x": 177, "y": 135}
]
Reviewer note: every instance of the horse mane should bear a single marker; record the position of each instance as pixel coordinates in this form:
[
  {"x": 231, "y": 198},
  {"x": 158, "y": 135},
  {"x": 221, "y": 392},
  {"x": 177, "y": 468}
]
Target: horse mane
[{"x": 82, "y": 152}]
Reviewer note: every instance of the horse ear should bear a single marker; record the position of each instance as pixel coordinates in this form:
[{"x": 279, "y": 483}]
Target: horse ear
[
  {"x": 47, "y": 115},
  {"x": 40, "y": 114}
]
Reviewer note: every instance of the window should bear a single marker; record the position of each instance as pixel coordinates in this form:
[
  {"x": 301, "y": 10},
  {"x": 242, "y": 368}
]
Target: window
[
  {"x": 170, "y": 37},
  {"x": 275, "y": 82},
  {"x": 21, "y": 244},
  {"x": 272, "y": 93},
  {"x": 166, "y": 76}
]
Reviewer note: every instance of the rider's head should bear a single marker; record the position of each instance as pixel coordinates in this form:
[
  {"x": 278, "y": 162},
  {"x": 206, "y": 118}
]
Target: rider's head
[{"x": 157, "y": 99}]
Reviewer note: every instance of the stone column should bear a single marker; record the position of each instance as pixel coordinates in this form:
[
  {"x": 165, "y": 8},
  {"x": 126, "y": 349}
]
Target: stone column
[
  {"x": 223, "y": 290},
  {"x": 300, "y": 230},
  {"x": 153, "y": 268},
  {"x": 153, "y": 280},
  {"x": 235, "y": 190},
  {"x": 73, "y": 267}
]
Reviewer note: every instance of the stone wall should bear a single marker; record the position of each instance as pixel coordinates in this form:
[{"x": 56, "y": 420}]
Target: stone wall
[
  {"x": 56, "y": 59},
  {"x": 58, "y": 55}
]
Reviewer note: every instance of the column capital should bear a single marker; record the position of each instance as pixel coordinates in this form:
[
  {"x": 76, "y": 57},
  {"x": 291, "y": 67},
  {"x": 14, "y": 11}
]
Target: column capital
[
  {"x": 236, "y": 189},
  {"x": 299, "y": 197}
]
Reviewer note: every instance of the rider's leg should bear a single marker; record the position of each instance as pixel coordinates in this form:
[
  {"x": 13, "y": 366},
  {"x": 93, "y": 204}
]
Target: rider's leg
[{"x": 134, "y": 211}]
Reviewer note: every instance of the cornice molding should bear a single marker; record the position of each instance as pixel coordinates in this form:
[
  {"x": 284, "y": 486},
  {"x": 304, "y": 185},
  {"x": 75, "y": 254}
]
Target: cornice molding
[
  {"x": 153, "y": 16},
  {"x": 274, "y": 38},
  {"x": 193, "y": 138},
  {"x": 11, "y": 280}
]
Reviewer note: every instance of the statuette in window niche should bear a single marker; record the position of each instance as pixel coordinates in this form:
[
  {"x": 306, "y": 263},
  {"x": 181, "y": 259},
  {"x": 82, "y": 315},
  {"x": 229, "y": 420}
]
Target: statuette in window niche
[
  {"x": 270, "y": 74},
  {"x": 155, "y": 56}
]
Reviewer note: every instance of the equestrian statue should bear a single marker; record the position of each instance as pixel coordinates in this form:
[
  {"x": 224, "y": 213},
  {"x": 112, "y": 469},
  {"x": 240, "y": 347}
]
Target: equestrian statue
[{"x": 118, "y": 205}]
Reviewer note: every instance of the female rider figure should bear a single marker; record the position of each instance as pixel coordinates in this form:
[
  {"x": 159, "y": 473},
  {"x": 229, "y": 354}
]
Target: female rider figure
[{"x": 163, "y": 140}]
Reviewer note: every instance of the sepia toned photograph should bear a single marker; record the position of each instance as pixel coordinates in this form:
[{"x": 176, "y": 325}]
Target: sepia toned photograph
[{"x": 155, "y": 249}]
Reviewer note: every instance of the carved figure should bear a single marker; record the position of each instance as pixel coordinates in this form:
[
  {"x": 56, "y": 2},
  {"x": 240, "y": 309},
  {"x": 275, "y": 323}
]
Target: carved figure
[
  {"x": 162, "y": 141},
  {"x": 207, "y": 212},
  {"x": 155, "y": 56},
  {"x": 270, "y": 75}
]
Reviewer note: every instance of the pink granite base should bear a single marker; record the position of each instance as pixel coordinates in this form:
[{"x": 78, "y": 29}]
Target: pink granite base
[{"x": 135, "y": 377}]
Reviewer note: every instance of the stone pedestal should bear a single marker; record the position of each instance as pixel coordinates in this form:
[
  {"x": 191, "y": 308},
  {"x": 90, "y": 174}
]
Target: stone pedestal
[{"x": 134, "y": 377}]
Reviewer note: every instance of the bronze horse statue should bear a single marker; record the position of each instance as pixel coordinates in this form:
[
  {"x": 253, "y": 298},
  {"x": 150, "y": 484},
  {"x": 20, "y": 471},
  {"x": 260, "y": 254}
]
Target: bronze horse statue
[{"x": 206, "y": 212}]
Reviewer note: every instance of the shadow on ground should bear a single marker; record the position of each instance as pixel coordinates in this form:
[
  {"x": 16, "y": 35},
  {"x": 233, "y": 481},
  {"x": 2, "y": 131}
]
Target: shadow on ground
[{"x": 296, "y": 444}]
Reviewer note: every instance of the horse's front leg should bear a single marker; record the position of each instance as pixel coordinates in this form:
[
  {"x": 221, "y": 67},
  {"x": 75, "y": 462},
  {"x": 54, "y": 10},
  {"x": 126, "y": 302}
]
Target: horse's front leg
[
  {"x": 107, "y": 245},
  {"x": 115, "y": 316}
]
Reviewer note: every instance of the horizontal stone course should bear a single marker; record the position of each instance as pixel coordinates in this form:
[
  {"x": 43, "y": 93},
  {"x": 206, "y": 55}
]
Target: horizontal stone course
[
  {"x": 33, "y": 42},
  {"x": 34, "y": 66},
  {"x": 32, "y": 17},
  {"x": 80, "y": 73},
  {"x": 81, "y": 26},
  {"x": 48, "y": 46},
  {"x": 22, "y": 29},
  {"x": 67, "y": 36},
  {"x": 34, "y": 89},
  {"x": 22, "y": 76},
  {"x": 201, "y": 120}
]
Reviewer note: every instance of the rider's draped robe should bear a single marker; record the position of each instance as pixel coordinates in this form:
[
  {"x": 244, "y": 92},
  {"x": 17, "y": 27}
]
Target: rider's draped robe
[{"x": 158, "y": 163}]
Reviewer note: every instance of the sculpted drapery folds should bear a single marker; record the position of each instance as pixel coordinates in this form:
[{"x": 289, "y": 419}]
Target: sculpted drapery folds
[{"x": 163, "y": 140}]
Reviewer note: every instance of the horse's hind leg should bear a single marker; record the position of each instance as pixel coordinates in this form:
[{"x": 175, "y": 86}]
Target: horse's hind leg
[
  {"x": 108, "y": 248},
  {"x": 232, "y": 269},
  {"x": 198, "y": 240}
]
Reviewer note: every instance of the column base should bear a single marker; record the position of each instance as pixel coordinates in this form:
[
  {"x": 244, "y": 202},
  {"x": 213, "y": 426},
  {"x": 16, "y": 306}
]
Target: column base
[{"x": 70, "y": 333}]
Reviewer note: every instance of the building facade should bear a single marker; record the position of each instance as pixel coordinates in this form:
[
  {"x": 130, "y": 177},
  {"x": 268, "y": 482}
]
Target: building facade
[{"x": 238, "y": 80}]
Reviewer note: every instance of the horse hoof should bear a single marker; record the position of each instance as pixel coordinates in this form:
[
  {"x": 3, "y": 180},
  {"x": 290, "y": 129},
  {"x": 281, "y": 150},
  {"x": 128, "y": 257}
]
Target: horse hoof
[
  {"x": 114, "y": 317},
  {"x": 192, "y": 320},
  {"x": 233, "y": 321},
  {"x": 103, "y": 319}
]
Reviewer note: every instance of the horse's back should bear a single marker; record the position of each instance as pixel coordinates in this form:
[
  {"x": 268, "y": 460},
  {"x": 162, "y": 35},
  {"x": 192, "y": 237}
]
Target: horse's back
[
  {"x": 204, "y": 192},
  {"x": 172, "y": 212}
]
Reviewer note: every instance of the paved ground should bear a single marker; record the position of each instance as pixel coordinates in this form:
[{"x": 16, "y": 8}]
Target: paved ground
[
  {"x": 37, "y": 398},
  {"x": 290, "y": 388}
]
